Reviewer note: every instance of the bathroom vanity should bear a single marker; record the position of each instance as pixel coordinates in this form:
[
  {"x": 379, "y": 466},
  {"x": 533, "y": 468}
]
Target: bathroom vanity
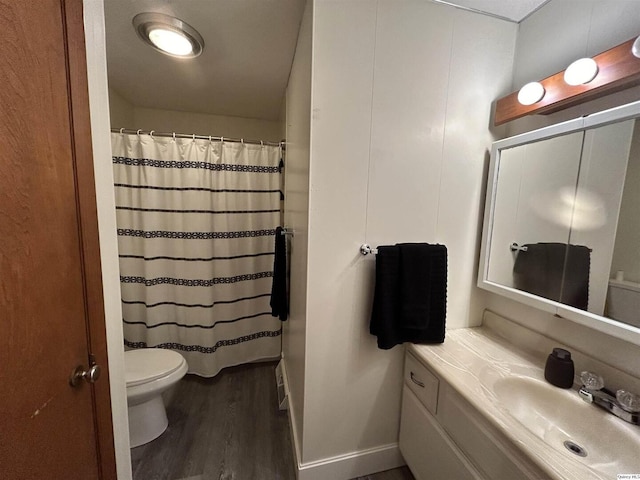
[{"x": 478, "y": 407}]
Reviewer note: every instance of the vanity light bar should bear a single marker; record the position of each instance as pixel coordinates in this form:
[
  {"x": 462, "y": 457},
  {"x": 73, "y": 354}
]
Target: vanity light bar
[{"x": 617, "y": 69}]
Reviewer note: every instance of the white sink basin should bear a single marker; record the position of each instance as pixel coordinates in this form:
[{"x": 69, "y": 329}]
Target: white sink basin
[{"x": 610, "y": 446}]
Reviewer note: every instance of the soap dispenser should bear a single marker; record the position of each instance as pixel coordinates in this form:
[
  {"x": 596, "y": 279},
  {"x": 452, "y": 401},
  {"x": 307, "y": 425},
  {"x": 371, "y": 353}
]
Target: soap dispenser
[{"x": 559, "y": 369}]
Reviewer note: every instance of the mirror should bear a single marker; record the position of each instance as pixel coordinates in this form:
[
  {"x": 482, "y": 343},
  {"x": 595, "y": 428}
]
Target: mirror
[{"x": 562, "y": 227}]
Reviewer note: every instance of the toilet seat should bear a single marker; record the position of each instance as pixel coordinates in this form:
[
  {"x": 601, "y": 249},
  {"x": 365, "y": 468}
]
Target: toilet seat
[{"x": 148, "y": 364}]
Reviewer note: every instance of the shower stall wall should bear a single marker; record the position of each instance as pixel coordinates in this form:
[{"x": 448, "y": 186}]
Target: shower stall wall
[{"x": 196, "y": 223}]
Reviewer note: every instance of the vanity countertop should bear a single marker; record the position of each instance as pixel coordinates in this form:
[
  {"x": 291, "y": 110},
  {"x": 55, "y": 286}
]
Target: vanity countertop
[{"x": 473, "y": 360}]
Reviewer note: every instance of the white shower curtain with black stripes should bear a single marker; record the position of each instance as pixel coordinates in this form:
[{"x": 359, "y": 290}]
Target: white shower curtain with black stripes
[{"x": 196, "y": 223}]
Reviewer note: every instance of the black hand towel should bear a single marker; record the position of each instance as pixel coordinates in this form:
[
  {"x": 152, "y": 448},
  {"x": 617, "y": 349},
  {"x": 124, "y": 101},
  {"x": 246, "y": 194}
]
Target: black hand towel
[
  {"x": 386, "y": 298},
  {"x": 279, "y": 301},
  {"x": 557, "y": 271},
  {"x": 410, "y": 294},
  {"x": 423, "y": 284},
  {"x": 575, "y": 284}
]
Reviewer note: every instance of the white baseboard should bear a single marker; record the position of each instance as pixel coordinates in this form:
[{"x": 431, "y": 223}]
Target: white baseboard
[
  {"x": 341, "y": 467},
  {"x": 352, "y": 465},
  {"x": 292, "y": 419}
]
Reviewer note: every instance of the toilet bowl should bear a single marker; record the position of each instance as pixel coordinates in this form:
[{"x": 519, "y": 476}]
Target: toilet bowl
[{"x": 148, "y": 373}]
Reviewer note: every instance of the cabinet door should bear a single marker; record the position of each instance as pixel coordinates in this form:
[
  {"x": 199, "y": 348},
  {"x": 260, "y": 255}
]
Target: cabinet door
[{"x": 426, "y": 448}]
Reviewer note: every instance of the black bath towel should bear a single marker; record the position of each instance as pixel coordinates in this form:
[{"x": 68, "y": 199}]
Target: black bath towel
[
  {"x": 557, "y": 271},
  {"x": 410, "y": 294},
  {"x": 279, "y": 299}
]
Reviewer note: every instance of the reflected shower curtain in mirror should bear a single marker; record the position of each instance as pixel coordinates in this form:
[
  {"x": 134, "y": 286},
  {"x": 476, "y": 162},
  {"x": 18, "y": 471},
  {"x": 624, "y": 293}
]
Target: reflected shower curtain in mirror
[{"x": 196, "y": 223}]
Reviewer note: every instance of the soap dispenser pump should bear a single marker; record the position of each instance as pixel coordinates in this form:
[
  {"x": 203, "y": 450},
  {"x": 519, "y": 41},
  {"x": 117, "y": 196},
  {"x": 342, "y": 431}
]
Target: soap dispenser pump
[{"x": 559, "y": 370}]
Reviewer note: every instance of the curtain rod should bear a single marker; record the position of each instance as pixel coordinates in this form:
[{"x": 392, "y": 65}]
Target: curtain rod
[{"x": 153, "y": 133}]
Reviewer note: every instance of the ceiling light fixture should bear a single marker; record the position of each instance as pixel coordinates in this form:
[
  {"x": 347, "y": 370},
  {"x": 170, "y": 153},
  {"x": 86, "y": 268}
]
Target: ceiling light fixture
[
  {"x": 168, "y": 35},
  {"x": 531, "y": 93},
  {"x": 581, "y": 71}
]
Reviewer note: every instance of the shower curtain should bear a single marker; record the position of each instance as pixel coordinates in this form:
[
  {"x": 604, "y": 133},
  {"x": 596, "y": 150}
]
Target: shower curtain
[{"x": 196, "y": 223}]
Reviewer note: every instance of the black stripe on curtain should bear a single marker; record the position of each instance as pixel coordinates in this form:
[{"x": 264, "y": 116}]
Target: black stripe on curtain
[
  {"x": 184, "y": 325},
  {"x": 129, "y": 232},
  {"x": 213, "y": 212},
  {"x": 201, "y": 349},
  {"x": 195, "y": 305},
  {"x": 187, "y": 259},
  {"x": 216, "y": 167},
  {"x": 188, "y": 282},
  {"x": 193, "y": 189}
]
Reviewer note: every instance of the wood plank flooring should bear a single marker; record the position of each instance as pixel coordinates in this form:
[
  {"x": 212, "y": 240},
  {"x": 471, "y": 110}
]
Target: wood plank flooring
[{"x": 226, "y": 428}]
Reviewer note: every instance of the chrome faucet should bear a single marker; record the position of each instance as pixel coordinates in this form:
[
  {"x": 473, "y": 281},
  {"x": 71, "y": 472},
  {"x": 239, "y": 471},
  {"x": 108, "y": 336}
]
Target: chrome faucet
[{"x": 623, "y": 404}]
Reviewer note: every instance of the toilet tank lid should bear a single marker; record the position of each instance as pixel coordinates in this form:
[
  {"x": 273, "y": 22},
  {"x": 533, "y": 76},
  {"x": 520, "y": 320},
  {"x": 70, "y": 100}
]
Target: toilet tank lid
[
  {"x": 627, "y": 285},
  {"x": 147, "y": 364}
]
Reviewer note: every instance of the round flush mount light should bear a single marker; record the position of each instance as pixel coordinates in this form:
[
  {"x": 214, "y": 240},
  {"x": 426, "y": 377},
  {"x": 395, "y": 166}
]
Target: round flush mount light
[
  {"x": 168, "y": 35},
  {"x": 635, "y": 48},
  {"x": 531, "y": 93},
  {"x": 581, "y": 71}
]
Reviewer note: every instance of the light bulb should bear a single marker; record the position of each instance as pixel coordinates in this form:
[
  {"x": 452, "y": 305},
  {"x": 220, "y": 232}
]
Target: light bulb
[
  {"x": 635, "y": 48},
  {"x": 170, "y": 41},
  {"x": 531, "y": 93},
  {"x": 581, "y": 71}
]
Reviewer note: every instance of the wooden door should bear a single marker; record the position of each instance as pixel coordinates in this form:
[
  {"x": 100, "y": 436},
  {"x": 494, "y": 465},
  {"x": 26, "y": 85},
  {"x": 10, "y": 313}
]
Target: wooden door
[{"x": 51, "y": 306}]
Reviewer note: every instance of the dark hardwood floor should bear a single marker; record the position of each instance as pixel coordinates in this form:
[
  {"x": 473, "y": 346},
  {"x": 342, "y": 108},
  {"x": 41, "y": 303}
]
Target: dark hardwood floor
[{"x": 226, "y": 428}]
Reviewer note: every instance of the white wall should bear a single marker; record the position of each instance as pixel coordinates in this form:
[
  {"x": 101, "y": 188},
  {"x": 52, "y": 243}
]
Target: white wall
[
  {"x": 205, "y": 124},
  {"x": 626, "y": 256},
  {"x": 106, "y": 207},
  {"x": 558, "y": 33},
  {"x": 120, "y": 111},
  {"x": 296, "y": 218},
  {"x": 401, "y": 98},
  {"x": 563, "y": 31},
  {"x": 126, "y": 115},
  {"x": 605, "y": 156}
]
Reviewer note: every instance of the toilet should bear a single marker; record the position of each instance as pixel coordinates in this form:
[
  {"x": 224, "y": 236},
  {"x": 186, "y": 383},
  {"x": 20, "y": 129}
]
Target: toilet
[
  {"x": 623, "y": 301},
  {"x": 148, "y": 373}
]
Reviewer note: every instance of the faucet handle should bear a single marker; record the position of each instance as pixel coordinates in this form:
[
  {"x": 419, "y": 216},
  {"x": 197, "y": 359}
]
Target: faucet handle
[
  {"x": 628, "y": 401},
  {"x": 592, "y": 381}
]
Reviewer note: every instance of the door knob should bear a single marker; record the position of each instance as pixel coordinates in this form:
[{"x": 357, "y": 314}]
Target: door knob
[{"x": 79, "y": 373}]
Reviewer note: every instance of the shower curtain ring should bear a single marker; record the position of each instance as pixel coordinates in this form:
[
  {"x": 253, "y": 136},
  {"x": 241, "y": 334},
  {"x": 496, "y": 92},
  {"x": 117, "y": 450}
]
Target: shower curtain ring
[
  {"x": 174, "y": 136},
  {"x": 221, "y": 139},
  {"x": 151, "y": 133},
  {"x": 242, "y": 141},
  {"x": 138, "y": 132},
  {"x": 122, "y": 131},
  {"x": 261, "y": 144},
  {"x": 194, "y": 137}
]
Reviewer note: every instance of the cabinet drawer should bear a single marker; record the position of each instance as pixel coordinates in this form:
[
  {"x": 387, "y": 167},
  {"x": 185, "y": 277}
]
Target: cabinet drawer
[
  {"x": 429, "y": 452},
  {"x": 421, "y": 382}
]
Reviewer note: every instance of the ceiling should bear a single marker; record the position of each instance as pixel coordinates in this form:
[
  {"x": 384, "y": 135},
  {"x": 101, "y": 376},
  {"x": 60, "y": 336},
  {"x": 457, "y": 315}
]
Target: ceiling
[
  {"x": 244, "y": 68},
  {"x": 514, "y": 10}
]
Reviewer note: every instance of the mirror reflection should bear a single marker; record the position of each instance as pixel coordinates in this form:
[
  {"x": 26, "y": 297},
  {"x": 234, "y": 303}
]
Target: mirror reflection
[{"x": 565, "y": 222}]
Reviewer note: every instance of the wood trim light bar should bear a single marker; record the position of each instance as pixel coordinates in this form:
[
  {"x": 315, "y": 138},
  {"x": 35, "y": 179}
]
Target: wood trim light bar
[{"x": 618, "y": 69}]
